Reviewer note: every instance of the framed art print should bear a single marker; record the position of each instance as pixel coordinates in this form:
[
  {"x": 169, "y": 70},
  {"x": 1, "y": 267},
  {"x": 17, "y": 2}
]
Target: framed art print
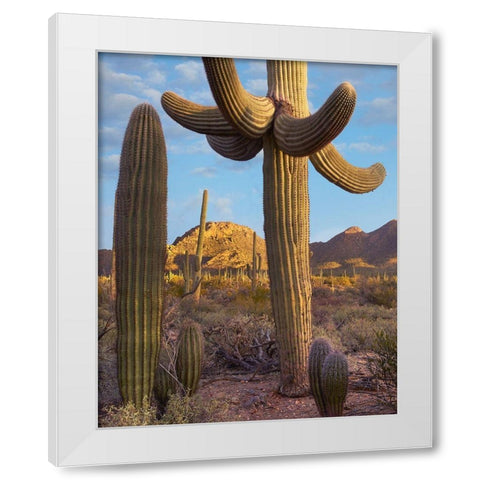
[{"x": 240, "y": 240}]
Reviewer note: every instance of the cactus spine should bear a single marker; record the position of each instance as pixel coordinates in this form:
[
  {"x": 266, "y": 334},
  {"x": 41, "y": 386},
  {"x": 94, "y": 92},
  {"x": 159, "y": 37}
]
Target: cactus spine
[
  {"x": 139, "y": 243},
  {"x": 238, "y": 128},
  {"x": 319, "y": 350},
  {"x": 189, "y": 357},
  {"x": 334, "y": 383}
]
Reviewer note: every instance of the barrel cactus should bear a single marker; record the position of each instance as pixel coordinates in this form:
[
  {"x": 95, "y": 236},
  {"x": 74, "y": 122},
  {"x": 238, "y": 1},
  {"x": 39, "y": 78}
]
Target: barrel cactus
[
  {"x": 165, "y": 383},
  {"x": 238, "y": 128},
  {"x": 319, "y": 350},
  {"x": 334, "y": 383},
  {"x": 189, "y": 357},
  {"x": 139, "y": 243}
]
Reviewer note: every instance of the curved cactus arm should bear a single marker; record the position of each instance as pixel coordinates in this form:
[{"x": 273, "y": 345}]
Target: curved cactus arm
[
  {"x": 329, "y": 163},
  {"x": 250, "y": 115},
  {"x": 302, "y": 137},
  {"x": 235, "y": 147},
  {"x": 198, "y": 118}
]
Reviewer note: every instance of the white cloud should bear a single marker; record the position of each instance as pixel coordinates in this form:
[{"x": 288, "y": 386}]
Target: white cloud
[
  {"x": 257, "y": 86},
  {"x": 257, "y": 67},
  {"x": 108, "y": 165},
  {"x": 190, "y": 70},
  {"x": 224, "y": 206},
  {"x": 366, "y": 147},
  {"x": 379, "y": 110},
  {"x": 207, "y": 172},
  {"x": 362, "y": 147},
  {"x": 182, "y": 147}
]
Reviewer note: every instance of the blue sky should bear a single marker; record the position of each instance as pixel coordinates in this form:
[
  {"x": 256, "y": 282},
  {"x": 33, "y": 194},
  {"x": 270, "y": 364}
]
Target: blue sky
[{"x": 235, "y": 188}]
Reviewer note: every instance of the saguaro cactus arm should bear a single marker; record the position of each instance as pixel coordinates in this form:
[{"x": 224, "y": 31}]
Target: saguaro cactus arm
[
  {"x": 250, "y": 115},
  {"x": 200, "y": 119},
  {"x": 235, "y": 147},
  {"x": 301, "y": 137},
  {"x": 329, "y": 163}
]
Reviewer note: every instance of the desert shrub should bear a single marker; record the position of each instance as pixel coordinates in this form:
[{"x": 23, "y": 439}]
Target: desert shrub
[
  {"x": 245, "y": 341},
  {"x": 352, "y": 327},
  {"x": 380, "y": 291},
  {"x": 382, "y": 364},
  {"x": 104, "y": 290},
  {"x": 174, "y": 285},
  {"x": 183, "y": 409},
  {"x": 128, "y": 415}
]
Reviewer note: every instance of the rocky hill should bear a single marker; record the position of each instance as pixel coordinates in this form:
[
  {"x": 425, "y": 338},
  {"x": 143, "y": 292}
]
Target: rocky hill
[{"x": 227, "y": 244}]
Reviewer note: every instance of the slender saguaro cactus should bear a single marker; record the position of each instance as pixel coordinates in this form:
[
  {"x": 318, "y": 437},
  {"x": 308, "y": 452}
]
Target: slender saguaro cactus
[
  {"x": 254, "y": 270},
  {"x": 197, "y": 280},
  {"x": 139, "y": 243},
  {"x": 186, "y": 272},
  {"x": 238, "y": 128}
]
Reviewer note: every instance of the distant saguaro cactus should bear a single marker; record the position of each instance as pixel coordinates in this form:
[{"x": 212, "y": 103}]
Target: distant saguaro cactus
[
  {"x": 280, "y": 123},
  {"x": 197, "y": 279},
  {"x": 189, "y": 356},
  {"x": 254, "y": 270},
  {"x": 139, "y": 243},
  {"x": 319, "y": 350}
]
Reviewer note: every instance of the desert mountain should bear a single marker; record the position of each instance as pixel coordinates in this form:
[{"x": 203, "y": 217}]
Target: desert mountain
[{"x": 354, "y": 246}]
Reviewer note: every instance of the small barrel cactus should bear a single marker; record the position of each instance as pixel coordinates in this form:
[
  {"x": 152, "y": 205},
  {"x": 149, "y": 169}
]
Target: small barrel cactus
[
  {"x": 189, "y": 357},
  {"x": 164, "y": 383},
  {"x": 319, "y": 351},
  {"x": 334, "y": 383}
]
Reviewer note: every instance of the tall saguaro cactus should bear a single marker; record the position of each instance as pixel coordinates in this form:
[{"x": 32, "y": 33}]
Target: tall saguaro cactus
[
  {"x": 139, "y": 243},
  {"x": 238, "y": 128}
]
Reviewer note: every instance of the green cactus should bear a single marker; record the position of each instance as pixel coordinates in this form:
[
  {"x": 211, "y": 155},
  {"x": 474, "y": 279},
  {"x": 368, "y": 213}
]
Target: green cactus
[
  {"x": 319, "y": 350},
  {"x": 139, "y": 242},
  {"x": 254, "y": 270},
  {"x": 186, "y": 272},
  {"x": 334, "y": 383},
  {"x": 189, "y": 356},
  {"x": 197, "y": 279},
  {"x": 238, "y": 128},
  {"x": 165, "y": 381}
]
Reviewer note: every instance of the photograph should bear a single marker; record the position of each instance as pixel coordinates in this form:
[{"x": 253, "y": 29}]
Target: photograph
[{"x": 247, "y": 239}]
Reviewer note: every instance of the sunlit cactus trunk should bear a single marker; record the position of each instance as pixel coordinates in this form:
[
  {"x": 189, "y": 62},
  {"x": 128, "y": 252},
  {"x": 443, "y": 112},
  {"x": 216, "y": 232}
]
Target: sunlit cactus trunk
[
  {"x": 140, "y": 235},
  {"x": 287, "y": 231}
]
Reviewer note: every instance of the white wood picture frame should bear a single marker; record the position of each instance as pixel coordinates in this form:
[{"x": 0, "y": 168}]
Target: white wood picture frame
[{"x": 74, "y": 438}]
